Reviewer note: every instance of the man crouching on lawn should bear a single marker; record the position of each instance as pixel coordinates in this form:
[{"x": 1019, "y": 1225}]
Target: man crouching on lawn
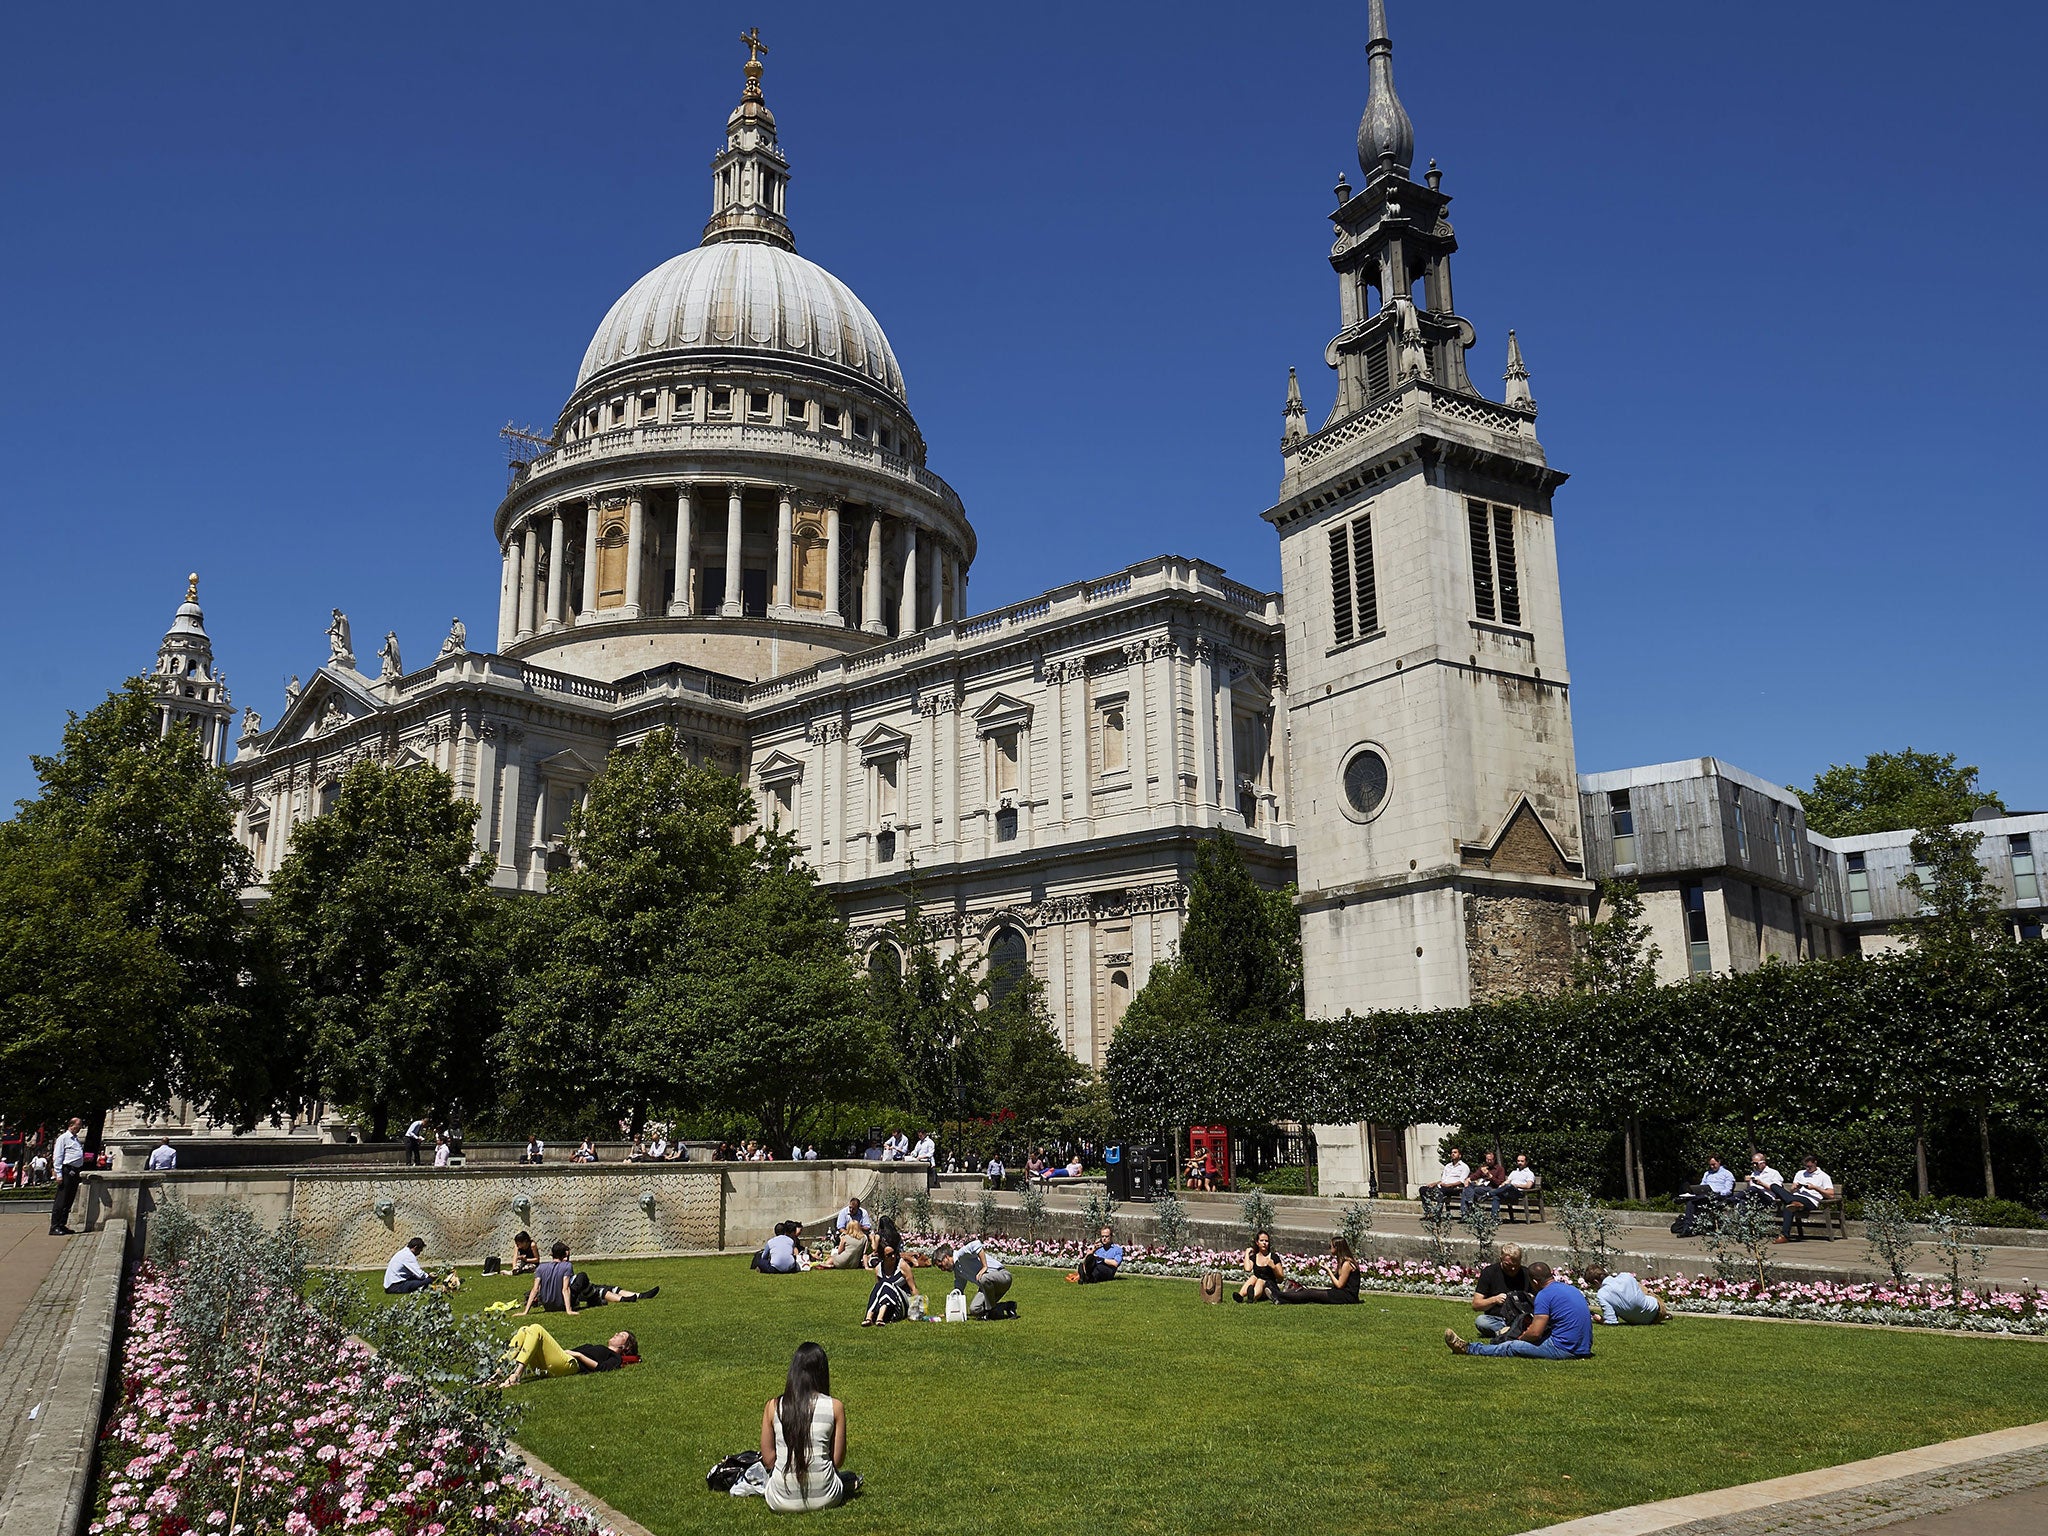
[
  {"x": 1562, "y": 1328},
  {"x": 533, "y": 1347}
]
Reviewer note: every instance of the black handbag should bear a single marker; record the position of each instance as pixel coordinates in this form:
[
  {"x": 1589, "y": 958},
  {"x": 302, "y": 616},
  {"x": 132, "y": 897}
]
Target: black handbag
[{"x": 729, "y": 1471}]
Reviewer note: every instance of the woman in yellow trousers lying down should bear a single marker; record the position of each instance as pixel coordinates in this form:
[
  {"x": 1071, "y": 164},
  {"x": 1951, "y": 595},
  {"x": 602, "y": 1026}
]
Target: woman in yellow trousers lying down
[{"x": 534, "y": 1348}]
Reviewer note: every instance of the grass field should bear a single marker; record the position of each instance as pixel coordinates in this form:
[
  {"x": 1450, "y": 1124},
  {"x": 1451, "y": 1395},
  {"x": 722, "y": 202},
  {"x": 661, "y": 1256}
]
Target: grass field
[{"x": 1135, "y": 1407}]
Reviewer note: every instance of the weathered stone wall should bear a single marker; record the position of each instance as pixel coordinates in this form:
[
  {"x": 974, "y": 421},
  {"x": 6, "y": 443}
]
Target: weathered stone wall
[
  {"x": 358, "y": 1218},
  {"x": 1516, "y": 944}
]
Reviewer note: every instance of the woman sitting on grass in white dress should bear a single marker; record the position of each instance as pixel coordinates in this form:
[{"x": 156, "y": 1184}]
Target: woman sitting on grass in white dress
[{"x": 803, "y": 1439}]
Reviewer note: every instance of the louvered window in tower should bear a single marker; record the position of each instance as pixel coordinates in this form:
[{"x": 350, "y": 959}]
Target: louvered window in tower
[
  {"x": 1496, "y": 573},
  {"x": 1364, "y": 585},
  {"x": 1340, "y": 582},
  {"x": 1378, "y": 375},
  {"x": 1482, "y": 561},
  {"x": 1354, "y": 595},
  {"x": 1505, "y": 570}
]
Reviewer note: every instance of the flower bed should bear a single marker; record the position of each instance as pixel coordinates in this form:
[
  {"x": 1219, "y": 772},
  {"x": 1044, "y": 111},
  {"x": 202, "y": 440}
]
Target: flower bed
[
  {"x": 1917, "y": 1304},
  {"x": 310, "y": 1433}
]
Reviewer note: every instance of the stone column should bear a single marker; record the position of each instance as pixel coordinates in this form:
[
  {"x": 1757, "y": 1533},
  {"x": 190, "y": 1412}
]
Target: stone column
[
  {"x": 557, "y": 530},
  {"x": 785, "y": 543},
  {"x": 1226, "y": 738},
  {"x": 1137, "y": 732},
  {"x": 832, "y": 615},
  {"x": 486, "y": 781},
  {"x": 1055, "y": 743},
  {"x": 508, "y": 813},
  {"x": 591, "y": 518},
  {"x": 636, "y": 545},
  {"x": 938, "y": 592},
  {"x": 529, "y": 564},
  {"x": 906, "y": 617},
  {"x": 508, "y": 593},
  {"x": 1205, "y": 723},
  {"x": 731, "y": 608},
  {"x": 679, "y": 599},
  {"x": 1165, "y": 693},
  {"x": 871, "y": 581}
]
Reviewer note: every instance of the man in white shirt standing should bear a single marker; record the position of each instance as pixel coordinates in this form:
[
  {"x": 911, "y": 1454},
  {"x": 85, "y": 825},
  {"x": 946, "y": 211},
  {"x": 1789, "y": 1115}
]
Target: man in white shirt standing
[
  {"x": 926, "y": 1150},
  {"x": 67, "y": 1161},
  {"x": 413, "y": 1135},
  {"x": 1810, "y": 1185},
  {"x": 164, "y": 1158},
  {"x": 1457, "y": 1173}
]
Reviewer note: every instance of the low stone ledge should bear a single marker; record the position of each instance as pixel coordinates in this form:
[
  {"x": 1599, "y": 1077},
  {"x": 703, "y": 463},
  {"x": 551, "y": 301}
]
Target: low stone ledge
[{"x": 50, "y": 1487}]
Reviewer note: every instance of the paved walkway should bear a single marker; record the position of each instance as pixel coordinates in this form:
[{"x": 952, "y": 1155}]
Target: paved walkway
[
  {"x": 1306, "y": 1223},
  {"x": 26, "y": 1253},
  {"x": 43, "y": 1311}
]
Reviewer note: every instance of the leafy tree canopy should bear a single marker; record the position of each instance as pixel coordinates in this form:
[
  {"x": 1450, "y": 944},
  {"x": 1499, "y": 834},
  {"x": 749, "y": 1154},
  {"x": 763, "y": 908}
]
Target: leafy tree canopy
[
  {"x": 1241, "y": 942},
  {"x": 388, "y": 942},
  {"x": 1892, "y": 791},
  {"x": 1966, "y": 912},
  {"x": 1615, "y": 953}
]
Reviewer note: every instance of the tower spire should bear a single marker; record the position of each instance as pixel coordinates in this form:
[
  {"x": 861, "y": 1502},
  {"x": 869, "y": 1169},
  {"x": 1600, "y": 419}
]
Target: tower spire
[
  {"x": 1295, "y": 420},
  {"x": 1517, "y": 376},
  {"x": 749, "y": 179},
  {"x": 1386, "y": 138}
]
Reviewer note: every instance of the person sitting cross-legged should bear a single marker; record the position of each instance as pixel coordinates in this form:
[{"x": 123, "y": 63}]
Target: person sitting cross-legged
[
  {"x": 1503, "y": 1297},
  {"x": 1101, "y": 1262},
  {"x": 525, "y": 1256},
  {"x": 533, "y": 1348},
  {"x": 1342, "y": 1289},
  {"x": 1622, "y": 1299},
  {"x": 803, "y": 1439},
  {"x": 778, "y": 1256},
  {"x": 1562, "y": 1328},
  {"x": 558, "y": 1286},
  {"x": 889, "y": 1301},
  {"x": 1263, "y": 1274},
  {"x": 850, "y": 1232}
]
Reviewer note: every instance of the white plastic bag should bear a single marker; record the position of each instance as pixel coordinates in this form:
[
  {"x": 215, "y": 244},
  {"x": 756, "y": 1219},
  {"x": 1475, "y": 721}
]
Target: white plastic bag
[{"x": 956, "y": 1306}]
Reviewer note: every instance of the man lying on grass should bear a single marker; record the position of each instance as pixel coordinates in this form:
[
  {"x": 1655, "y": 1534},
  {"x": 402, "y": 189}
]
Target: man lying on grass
[
  {"x": 533, "y": 1347},
  {"x": 1562, "y": 1328}
]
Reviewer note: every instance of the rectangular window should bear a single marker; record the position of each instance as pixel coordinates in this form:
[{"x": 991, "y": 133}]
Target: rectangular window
[
  {"x": 885, "y": 848},
  {"x": 1482, "y": 561},
  {"x": 1006, "y": 824},
  {"x": 1005, "y": 743},
  {"x": 860, "y": 426},
  {"x": 685, "y": 406},
  {"x": 757, "y": 402},
  {"x": 1365, "y": 585},
  {"x": 1923, "y": 876},
  {"x": 1624, "y": 818},
  {"x": 1778, "y": 840},
  {"x": 797, "y": 412},
  {"x": 832, "y": 417},
  {"x": 1741, "y": 831},
  {"x": 1699, "y": 952},
  {"x": 1859, "y": 887},
  {"x": 782, "y": 804},
  {"x": 1505, "y": 570},
  {"x": 1378, "y": 372},
  {"x": 1340, "y": 583},
  {"x": 721, "y": 402},
  {"x": 885, "y": 788},
  {"x": 647, "y": 402},
  {"x": 2026, "y": 883},
  {"x": 1111, "y": 730}
]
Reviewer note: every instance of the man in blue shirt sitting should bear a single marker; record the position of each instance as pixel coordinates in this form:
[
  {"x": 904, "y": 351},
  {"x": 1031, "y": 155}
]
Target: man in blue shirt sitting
[
  {"x": 1717, "y": 1184},
  {"x": 1562, "y": 1328},
  {"x": 1102, "y": 1261}
]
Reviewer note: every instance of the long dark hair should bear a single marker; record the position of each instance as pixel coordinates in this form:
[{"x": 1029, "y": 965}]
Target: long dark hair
[{"x": 810, "y": 1378}]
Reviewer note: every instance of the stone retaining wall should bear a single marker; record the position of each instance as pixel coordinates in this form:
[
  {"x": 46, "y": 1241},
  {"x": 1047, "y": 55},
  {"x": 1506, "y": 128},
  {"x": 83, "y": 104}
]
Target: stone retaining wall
[{"x": 357, "y": 1218}]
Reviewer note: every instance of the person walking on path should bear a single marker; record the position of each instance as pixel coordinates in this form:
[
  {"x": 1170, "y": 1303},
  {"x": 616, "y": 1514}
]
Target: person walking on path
[{"x": 68, "y": 1161}]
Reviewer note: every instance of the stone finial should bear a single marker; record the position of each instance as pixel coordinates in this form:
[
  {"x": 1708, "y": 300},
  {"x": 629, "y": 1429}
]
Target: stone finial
[
  {"x": 1294, "y": 425},
  {"x": 1386, "y": 137},
  {"x": 1517, "y": 376}
]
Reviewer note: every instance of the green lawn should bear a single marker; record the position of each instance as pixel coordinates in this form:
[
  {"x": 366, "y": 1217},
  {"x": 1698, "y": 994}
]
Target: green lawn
[{"x": 1135, "y": 1407}]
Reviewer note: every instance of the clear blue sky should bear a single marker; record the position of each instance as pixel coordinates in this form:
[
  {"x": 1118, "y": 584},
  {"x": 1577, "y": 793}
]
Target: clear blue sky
[{"x": 274, "y": 276}]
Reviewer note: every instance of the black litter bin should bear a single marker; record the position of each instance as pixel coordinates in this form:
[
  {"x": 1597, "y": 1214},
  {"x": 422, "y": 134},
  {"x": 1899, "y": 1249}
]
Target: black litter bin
[
  {"x": 1138, "y": 1173},
  {"x": 1116, "y": 1163}
]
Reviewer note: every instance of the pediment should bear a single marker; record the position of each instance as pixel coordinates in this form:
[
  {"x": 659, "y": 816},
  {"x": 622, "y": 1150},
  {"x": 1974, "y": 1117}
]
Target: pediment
[
  {"x": 1249, "y": 689},
  {"x": 777, "y": 766},
  {"x": 333, "y": 700},
  {"x": 1522, "y": 845},
  {"x": 1002, "y": 713},
  {"x": 884, "y": 741},
  {"x": 567, "y": 764}
]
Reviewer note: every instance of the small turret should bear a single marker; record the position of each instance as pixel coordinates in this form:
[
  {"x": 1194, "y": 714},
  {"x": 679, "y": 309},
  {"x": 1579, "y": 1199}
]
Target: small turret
[
  {"x": 1517, "y": 376},
  {"x": 1295, "y": 422},
  {"x": 191, "y": 693}
]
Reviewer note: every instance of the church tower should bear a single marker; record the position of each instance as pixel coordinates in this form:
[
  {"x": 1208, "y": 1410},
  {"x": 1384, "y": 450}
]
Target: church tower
[
  {"x": 1429, "y": 702},
  {"x": 190, "y": 694}
]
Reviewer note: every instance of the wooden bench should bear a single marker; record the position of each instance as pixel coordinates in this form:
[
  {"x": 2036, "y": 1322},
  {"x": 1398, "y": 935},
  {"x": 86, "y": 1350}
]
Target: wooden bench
[
  {"x": 1828, "y": 1213},
  {"x": 1531, "y": 1201}
]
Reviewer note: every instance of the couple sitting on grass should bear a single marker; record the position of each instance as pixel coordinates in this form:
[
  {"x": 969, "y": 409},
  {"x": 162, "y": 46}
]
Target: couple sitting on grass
[{"x": 1267, "y": 1281}]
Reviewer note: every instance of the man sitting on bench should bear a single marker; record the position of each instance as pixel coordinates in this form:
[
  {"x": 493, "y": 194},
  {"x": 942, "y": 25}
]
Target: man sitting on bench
[
  {"x": 1809, "y": 1187},
  {"x": 1521, "y": 1179},
  {"x": 1716, "y": 1184}
]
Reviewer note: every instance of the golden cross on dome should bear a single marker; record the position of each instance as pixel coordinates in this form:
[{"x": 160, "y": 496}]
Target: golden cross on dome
[{"x": 755, "y": 47}]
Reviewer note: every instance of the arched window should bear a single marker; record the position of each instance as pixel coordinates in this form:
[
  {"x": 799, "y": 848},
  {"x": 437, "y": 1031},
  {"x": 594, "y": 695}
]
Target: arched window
[
  {"x": 1009, "y": 958},
  {"x": 1119, "y": 996},
  {"x": 885, "y": 963}
]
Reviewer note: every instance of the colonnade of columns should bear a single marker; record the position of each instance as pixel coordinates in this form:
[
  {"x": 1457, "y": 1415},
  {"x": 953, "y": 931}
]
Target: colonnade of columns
[{"x": 932, "y": 591}]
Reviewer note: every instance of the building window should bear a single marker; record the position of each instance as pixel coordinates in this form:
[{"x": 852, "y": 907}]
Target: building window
[
  {"x": 1859, "y": 887},
  {"x": 647, "y": 404},
  {"x": 259, "y": 842},
  {"x": 721, "y": 402},
  {"x": 1699, "y": 952},
  {"x": 757, "y": 402},
  {"x": 1354, "y": 594},
  {"x": 1009, "y": 961},
  {"x": 684, "y": 407},
  {"x": 782, "y": 804},
  {"x": 1109, "y": 735},
  {"x": 831, "y": 415},
  {"x": 886, "y": 787},
  {"x": 1624, "y": 819},
  {"x": 2026, "y": 884},
  {"x": 1378, "y": 372},
  {"x": 1741, "y": 830},
  {"x": 860, "y": 426},
  {"x": 1496, "y": 573},
  {"x": 1006, "y": 824},
  {"x": 328, "y": 794},
  {"x": 1248, "y": 805},
  {"x": 1778, "y": 840},
  {"x": 1923, "y": 887},
  {"x": 884, "y": 963},
  {"x": 1365, "y": 784},
  {"x": 1003, "y": 746},
  {"x": 797, "y": 412},
  {"x": 885, "y": 848}
]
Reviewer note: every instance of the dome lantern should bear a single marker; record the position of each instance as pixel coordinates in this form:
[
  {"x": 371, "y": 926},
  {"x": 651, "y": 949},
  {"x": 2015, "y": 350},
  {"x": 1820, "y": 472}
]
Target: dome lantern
[{"x": 749, "y": 178}]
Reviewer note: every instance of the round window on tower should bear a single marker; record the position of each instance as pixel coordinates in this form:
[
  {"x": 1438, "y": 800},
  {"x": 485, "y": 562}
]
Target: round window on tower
[{"x": 1365, "y": 782}]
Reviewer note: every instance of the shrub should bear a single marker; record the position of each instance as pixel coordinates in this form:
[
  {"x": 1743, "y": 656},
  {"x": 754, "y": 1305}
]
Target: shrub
[
  {"x": 921, "y": 1212},
  {"x": 889, "y": 1203},
  {"x": 1099, "y": 1210},
  {"x": 1484, "y": 1224},
  {"x": 1258, "y": 1213},
  {"x": 1034, "y": 1211},
  {"x": 1437, "y": 1222},
  {"x": 1589, "y": 1228},
  {"x": 987, "y": 1214},
  {"x": 1888, "y": 1229},
  {"x": 1739, "y": 1236},
  {"x": 1355, "y": 1226},
  {"x": 1291, "y": 1180},
  {"x": 1961, "y": 1260},
  {"x": 1172, "y": 1218}
]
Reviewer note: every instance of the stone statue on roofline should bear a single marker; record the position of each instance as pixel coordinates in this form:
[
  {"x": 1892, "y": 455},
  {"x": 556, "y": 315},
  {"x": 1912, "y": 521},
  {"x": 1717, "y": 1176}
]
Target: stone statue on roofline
[
  {"x": 292, "y": 689},
  {"x": 387, "y": 653},
  {"x": 341, "y": 648},
  {"x": 457, "y": 642},
  {"x": 252, "y": 724}
]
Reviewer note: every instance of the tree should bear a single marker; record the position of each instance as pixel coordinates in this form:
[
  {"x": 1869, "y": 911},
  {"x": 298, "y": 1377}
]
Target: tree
[
  {"x": 1242, "y": 943},
  {"x": 1892, "y": 791},
  {"x": 771, "y": 1006},
  {"x": 929, "y": 1005},
  {"x": 386, "y": 935},
  {"x": 1964, "y": 919},
  {"x": 1022, "y": 1066},
  {"x": 132, "y": 829},
  {"x": 604, "y": 956},
  {"x": 1613, "y": 956}
]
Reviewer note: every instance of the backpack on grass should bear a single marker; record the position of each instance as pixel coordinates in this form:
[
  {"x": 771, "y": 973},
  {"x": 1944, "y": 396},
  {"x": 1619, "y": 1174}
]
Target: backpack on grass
[{"x": 730, "y": 1470}]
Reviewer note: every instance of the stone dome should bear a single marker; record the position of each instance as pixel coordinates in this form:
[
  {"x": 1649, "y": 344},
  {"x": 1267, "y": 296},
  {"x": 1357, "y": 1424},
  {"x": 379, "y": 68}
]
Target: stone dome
[{"x": 745, "y": 295}]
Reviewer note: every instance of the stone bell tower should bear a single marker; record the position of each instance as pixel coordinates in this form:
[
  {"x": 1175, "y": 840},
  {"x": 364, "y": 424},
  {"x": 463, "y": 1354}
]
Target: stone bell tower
[{"x": 1430, "y": 708}]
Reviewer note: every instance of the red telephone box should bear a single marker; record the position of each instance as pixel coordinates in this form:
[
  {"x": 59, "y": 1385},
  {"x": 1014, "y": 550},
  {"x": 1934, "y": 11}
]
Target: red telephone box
[{"x": 1211, "y": 1143}]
